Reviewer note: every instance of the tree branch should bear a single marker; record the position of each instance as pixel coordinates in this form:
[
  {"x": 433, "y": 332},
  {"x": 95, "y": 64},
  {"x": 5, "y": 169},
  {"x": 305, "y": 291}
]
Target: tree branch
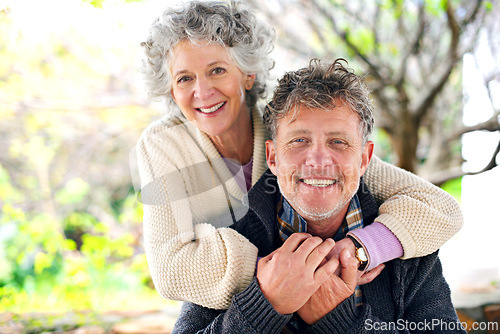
[
  {"x": 454, "y": 28},
  {"x": 452, "y": 173},
  {"x": 374, "y": 69},
  {"x": 472, "y": 16},
  {"x": 414, "y": 46},
  {"x": 490, "y": 125}
]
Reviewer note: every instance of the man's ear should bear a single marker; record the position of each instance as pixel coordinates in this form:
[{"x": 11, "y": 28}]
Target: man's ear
[
  {"x": 249, "y": 81},
  {"x": 366, "y": 156},
  {"x": 271, "y": 156}
]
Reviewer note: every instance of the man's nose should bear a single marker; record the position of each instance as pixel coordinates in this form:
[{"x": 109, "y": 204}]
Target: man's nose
[
  {"x": 318, "y": 156},
  {"x": 203, "y": 89}
]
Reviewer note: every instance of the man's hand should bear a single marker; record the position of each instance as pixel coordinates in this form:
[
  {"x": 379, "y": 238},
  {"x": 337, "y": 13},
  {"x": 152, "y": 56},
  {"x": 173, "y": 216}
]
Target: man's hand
[
  {"x": 334, "y": 291},
  {"x": 363, "y": 276},
  {"x": 290, "y": 275}
]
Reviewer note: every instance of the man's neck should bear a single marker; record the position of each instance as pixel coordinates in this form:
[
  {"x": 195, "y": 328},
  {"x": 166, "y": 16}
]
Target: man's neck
[{"x": 326, "y": 228}]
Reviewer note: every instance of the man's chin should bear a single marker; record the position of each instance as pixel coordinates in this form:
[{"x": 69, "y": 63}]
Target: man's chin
[{"x": 315, "y": 213}]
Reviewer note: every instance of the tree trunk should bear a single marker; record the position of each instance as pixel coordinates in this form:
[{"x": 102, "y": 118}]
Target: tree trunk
[{"x": 404, "y": 141}]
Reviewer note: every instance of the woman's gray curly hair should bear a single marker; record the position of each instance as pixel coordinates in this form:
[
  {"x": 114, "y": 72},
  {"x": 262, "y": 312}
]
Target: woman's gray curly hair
[
  {"x": 317, "y": 86},
  {"x": 249, "y": 42}
]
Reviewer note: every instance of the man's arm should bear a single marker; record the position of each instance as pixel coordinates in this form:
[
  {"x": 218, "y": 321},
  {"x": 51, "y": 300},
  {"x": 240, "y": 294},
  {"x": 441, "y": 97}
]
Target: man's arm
[{"x": 250, "y": 312}]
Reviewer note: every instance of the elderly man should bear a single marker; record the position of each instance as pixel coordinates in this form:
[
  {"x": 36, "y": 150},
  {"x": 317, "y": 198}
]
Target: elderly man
[{"x": 320, "y": 119}]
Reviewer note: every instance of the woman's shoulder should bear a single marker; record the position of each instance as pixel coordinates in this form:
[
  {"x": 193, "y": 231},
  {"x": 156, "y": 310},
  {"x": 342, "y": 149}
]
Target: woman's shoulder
[
  {"x": 167, "y": 128},
  {"x": 164, "y": 124}
]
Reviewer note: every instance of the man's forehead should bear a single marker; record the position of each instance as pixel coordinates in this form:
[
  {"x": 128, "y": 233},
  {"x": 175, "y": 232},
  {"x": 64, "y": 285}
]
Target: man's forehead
[{"x": 297, "y": 117}]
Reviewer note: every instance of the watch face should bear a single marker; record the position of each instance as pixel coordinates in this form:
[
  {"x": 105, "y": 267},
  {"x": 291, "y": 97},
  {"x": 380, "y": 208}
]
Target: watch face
[{"x": 361, "y": 254}]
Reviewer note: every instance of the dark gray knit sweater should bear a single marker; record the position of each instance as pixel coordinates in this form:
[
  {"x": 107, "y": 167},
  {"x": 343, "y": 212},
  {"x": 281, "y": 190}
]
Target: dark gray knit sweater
[{"x": 408, "y": 296}]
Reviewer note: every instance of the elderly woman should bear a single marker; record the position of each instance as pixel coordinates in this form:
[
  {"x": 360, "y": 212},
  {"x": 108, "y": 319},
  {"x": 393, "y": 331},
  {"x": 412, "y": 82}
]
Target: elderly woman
[{"x": 210, "y": 61}]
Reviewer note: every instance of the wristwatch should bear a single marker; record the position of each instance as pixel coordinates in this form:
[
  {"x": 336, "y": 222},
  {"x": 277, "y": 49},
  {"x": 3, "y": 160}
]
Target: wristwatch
[{"x": 361, "y": 254}]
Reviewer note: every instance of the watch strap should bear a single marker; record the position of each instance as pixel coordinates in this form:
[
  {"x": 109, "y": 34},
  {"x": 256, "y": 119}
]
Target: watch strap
[{"x": 359, "y": 247}]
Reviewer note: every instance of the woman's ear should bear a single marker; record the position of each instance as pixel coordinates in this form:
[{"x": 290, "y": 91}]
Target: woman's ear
[{"x": 250, "y": 81}]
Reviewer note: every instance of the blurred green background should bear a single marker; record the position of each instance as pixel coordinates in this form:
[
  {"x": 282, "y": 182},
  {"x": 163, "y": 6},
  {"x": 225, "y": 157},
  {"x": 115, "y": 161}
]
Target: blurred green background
[{"x": 72, "y": 108}]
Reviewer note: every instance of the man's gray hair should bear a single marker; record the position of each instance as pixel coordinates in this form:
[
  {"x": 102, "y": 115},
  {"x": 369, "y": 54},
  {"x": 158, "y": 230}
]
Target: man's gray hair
[
  {"x": 249, "y": 42},
  {"x": 317, "y": 86}
]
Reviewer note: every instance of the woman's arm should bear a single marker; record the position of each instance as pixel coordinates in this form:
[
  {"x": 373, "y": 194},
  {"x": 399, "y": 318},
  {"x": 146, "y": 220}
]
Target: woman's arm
[
  {"x": 422, "y": 216},
  {"x": 191, "y": 262}
]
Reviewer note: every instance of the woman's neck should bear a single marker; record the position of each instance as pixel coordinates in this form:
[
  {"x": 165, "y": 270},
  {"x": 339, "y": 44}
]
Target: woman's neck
[{"x": 237, "y": 142}]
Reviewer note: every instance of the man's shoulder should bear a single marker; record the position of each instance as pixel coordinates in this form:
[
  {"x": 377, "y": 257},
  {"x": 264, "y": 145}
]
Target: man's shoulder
[{"x": 264, "y": 192}]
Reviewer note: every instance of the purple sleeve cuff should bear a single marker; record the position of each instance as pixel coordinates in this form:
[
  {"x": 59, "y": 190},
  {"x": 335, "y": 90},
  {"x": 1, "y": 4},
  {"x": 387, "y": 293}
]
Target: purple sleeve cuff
[{"x": 380, "y": 243}]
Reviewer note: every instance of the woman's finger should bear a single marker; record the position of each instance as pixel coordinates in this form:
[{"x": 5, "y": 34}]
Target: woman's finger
[{"x": 369, "y": 276}]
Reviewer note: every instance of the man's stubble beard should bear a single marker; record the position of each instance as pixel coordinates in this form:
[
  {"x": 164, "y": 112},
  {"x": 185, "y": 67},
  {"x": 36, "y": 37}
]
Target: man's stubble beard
[{"x": 315, "y": 215}]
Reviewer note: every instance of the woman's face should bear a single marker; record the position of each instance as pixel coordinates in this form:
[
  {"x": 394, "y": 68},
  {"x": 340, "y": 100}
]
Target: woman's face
[{"x": 208, "y": 87}]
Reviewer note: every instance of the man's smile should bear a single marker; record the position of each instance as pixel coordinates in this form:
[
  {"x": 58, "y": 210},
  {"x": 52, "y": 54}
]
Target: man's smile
[{"x": 319, "y": 182}]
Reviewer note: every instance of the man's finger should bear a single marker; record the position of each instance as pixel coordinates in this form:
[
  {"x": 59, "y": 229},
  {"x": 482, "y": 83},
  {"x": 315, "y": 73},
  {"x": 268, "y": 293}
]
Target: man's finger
[
  {"x": 325, "y": 271},
  {"x": 319, "y": 253},
  {"x": 307, "y": 247},
  {"x": 369, "y": 276},
  {"x": 294, "y": 241}
]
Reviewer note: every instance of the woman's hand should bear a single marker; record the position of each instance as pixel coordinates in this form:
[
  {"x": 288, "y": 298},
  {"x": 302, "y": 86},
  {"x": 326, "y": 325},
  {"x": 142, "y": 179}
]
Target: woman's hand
[{"x": 363, "y": 277}]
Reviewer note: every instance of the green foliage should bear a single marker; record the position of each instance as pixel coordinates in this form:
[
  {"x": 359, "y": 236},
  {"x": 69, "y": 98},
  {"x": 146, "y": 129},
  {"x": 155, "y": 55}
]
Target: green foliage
[
  {"x": 70, "y": 227},
  {"x": 454, "y": 188},
  {"x": 41, "y": 269},
  {"x": 435, "y": 7},
  {"x": 364, "y": 39},
  {"x": 488, "y": 5},
  {"x": 73, "y": 192}
]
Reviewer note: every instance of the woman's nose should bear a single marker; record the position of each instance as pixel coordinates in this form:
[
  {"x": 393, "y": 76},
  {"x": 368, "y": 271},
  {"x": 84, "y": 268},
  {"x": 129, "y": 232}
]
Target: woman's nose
[{"x": 203, "y": 89}]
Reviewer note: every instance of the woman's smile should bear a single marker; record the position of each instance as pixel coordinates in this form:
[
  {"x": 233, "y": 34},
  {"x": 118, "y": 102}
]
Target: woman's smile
[{"x": 211, "y": 110}]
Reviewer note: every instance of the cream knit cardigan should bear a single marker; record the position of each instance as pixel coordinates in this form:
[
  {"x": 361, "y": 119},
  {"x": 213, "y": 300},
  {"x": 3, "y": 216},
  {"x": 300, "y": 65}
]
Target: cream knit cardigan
[{"x": 185, "y": 185}]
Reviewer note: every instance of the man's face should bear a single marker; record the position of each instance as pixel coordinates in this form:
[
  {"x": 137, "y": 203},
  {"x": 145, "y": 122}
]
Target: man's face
[{"x": 318, "y": 158}]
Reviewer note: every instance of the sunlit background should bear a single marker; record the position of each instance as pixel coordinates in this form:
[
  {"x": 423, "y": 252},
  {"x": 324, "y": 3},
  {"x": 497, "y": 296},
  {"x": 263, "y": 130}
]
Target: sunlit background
[{"x": 71, "y": 110}]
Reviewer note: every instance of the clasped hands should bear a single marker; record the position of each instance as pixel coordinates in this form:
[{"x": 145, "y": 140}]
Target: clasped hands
[{"x": 310, "y": 276}]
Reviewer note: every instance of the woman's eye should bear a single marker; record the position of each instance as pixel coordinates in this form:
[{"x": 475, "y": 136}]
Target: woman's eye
[
  {"x": 219, "y": 70},
  {"x": 183, "y": 79}
]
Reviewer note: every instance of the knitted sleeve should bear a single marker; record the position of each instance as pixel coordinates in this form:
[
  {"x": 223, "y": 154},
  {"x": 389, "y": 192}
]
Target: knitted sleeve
[
  {"x": 189, "y": 260},
  {"x": 422, "y": 216}
]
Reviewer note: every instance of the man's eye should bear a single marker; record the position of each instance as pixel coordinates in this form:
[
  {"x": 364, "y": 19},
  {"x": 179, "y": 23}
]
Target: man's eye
[
  {"x": 299, "y": 140},
  {"x": 337, "y": 142}
]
